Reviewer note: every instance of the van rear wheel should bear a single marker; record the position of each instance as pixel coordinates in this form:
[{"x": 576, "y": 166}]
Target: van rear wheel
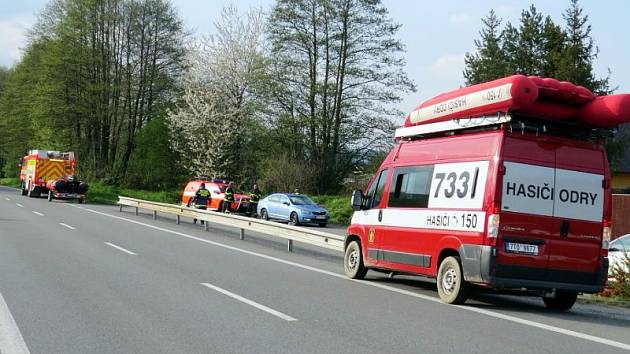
[
  {"x": 452, "y": 287},
  {"x": 353, "y": 261},
  {"x": 563, "y": 301}
]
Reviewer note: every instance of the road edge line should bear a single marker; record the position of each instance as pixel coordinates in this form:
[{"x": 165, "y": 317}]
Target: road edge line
[{"x": 11, "y": 340}]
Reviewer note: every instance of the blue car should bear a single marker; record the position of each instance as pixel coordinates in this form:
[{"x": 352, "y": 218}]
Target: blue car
[{"x": 294, "y": 208}]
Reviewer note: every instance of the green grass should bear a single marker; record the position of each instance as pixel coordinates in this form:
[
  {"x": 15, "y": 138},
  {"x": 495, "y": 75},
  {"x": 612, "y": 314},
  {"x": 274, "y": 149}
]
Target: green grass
[
  {"x": 101, "y": 193},
  {"x": 338, "y": 207},
  {"x": 11, "y": 182}
]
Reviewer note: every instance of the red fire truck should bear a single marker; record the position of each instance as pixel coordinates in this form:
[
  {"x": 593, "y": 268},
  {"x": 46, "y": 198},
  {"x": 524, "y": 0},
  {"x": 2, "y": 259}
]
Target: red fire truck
[
  {"x": 40, "y": 166},
  {"x": 503, "y": 185}
]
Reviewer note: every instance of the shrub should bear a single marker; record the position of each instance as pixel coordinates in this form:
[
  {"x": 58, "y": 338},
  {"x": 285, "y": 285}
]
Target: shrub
[
  {"x": 619, "y": 283},
  {"x": 284, "y": 174},
  {"x": 338, "y": 206}
]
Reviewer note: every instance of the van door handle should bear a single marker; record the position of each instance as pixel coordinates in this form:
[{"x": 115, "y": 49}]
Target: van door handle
[
  {"x": 564, "y": 228},
  {"x": 380, "y": 215}
]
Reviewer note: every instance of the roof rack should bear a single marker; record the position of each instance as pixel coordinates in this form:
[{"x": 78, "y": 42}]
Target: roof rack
[
  {"x": 513, "y": 122},
  {"x": 451, "y": 125}
]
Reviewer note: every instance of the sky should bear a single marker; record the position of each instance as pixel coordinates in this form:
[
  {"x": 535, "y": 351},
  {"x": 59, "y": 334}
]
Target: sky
[{"x": 436, "y": 34}]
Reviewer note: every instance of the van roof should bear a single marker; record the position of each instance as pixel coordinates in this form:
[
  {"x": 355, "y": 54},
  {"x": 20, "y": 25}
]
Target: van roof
[{"x": 513, "y": 122}]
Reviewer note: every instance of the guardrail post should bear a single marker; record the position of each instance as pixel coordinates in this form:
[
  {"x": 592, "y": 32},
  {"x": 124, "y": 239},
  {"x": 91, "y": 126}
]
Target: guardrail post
[
  {"x": 136, "y": 210},
  {"x": 154, "y": 214},
  {"x": 242, "y": 234},
  {"x": 290, "y": 245},
  {"x": 205, "y": 225},
  {"x": 120, "y": 210},
  {"x": 177, "y": 221}
]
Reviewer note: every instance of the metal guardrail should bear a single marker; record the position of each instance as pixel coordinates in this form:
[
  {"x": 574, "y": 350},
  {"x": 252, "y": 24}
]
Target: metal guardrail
[{"x": 243, "y": 223}]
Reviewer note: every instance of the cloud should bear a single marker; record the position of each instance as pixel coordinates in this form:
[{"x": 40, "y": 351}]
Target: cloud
[
  {"x": 460, "y": 17},
  {"x": 448, "y": 67},
  {"x": 13, "y": 39}
]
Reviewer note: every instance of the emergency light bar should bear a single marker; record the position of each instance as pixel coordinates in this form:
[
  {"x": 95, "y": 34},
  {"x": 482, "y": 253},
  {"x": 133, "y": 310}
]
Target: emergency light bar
[{"x": 450, "y": 125}]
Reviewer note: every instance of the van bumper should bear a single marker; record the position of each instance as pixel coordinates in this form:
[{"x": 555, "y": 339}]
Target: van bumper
[{"x": 480, "y": 266}]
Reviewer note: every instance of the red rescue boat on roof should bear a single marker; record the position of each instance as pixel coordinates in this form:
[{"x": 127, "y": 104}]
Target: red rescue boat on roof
[{"x": 541, "y": 97}]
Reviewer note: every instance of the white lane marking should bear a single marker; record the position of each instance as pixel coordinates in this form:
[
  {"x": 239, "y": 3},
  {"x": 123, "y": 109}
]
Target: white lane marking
[
  {"x": 7, "y": 199},
  {"x": 250, "y": 302},
  {"x": 11, "y": 340},
  {"x": 66, "y": 225},
  {"x": 498, "y": 315},
  {"x": 37, "y": 213},
  {"x": 20, "y": 205},
  {"x": 121, "y": 249}
]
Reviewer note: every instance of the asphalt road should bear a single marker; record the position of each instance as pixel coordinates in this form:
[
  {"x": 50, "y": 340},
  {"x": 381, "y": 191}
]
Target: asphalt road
[{"x": 89, "y": 279}]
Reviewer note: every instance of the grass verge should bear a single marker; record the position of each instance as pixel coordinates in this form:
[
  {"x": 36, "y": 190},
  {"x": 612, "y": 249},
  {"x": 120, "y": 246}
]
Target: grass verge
[
  {"x": 105, "y": 194},
  {"x": 10, "y": 182},
  {"x": 598, "y": 299}
]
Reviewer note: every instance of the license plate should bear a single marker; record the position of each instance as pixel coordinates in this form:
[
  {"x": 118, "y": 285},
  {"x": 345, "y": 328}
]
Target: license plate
[
  {"x": 521, "y": 248},
  {"x": 320, "y": 217}
]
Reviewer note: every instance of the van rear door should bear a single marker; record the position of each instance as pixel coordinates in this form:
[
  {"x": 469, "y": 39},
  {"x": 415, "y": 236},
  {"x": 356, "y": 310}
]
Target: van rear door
[
  {"x": 552, "y": 210},
  {"x": 527, "y": 209},
  {"x": 578, "y": 214}
]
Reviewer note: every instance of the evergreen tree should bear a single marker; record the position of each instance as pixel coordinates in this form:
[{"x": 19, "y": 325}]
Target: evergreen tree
[
  {"x": 553, "y": 48},
  {"x": 488, "y": 62},
  {"x": 524, "y": 46},
  {"x": 576, "y": 64}
]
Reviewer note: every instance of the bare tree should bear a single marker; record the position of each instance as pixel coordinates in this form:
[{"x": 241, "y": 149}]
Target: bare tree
[{"x": 340, "y": 71}]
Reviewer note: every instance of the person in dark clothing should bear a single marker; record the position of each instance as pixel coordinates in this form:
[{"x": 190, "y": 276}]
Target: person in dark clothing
[
  {"x": 254, "y": 198},
  {"x": 228, "y": 199},
  {"x": 202, "y": 199}
]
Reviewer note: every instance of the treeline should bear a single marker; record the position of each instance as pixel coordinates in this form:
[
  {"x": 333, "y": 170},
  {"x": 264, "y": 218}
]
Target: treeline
[
  {"x": 300, "y": 97},
  {"x": 94, "y": 75},
  {"x": 303, "y": 93}
]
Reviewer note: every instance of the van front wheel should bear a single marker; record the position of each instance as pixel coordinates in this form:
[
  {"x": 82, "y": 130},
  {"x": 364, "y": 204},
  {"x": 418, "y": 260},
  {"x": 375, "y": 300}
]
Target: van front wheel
[
  {"x": 562, "y": 302},
  {"x": 451, "y": 285},
  {"x": 353, "y": 262}
]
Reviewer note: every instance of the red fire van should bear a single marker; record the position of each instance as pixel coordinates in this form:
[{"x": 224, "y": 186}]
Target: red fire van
[{"x": 507, "y": 202}]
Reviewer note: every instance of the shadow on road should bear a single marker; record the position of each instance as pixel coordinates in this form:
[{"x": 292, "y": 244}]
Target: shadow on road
[{"x": 514, "y": 304}]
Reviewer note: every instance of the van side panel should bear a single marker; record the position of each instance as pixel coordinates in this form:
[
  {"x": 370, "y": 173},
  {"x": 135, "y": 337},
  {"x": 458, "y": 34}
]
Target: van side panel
[{"x": 407, "y": 247}]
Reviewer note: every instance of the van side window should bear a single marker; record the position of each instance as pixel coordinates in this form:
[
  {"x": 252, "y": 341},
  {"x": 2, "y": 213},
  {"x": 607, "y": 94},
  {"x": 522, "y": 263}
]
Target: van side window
[
  {"x": 375, "y": 194},
  {"x": 411, "y": 187}
]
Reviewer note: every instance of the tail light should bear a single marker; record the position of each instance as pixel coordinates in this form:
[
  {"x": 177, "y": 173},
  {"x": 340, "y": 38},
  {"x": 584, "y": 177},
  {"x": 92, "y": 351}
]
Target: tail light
[
  {"x": 494, "y": 220},
  {"x": 606, "y": 233}
]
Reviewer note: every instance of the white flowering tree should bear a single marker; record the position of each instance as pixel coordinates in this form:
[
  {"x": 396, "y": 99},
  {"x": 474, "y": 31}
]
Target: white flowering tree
[{"x": 213, "y": 128}]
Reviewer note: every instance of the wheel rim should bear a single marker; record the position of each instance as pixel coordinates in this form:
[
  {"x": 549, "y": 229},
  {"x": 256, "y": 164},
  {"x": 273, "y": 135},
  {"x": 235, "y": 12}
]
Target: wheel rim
[
  {"x": 264, "y": 214},
  {"x": 449, "y": 280},
  {"x": 353, "y": 260},
  {"x": 294, "y": 218}
]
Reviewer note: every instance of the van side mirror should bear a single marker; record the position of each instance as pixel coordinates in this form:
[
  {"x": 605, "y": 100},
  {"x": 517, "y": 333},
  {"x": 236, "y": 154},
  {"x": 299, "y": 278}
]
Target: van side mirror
[{"x": 357, "y": 200}]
